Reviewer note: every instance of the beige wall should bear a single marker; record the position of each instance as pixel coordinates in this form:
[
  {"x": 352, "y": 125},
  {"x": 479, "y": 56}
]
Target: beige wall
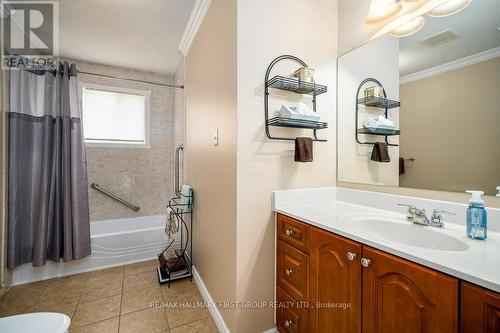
[
  {"x": 143, "y": 177},
  {"x": 450, "y": 125},
  {"x": 377, "y": 59},
  {"x": 210, "y": 104},
  {"x": 265, "y": 32}
]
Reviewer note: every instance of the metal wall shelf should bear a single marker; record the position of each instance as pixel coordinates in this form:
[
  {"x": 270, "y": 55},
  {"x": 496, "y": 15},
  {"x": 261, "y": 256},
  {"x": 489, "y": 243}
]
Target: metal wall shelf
[
  {"x": 296, "y": 86},
  {"x": 378, "y": 102}
]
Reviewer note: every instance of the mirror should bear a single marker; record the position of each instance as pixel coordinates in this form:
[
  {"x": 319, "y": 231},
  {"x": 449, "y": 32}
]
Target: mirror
[{"x": 445, "y": 133}]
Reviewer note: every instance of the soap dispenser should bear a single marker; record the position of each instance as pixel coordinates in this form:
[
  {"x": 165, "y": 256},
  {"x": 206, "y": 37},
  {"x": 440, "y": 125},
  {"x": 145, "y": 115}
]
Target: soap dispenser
[
  {"x": 498, "y": 189},
  {"x": 476, "y": 217}
]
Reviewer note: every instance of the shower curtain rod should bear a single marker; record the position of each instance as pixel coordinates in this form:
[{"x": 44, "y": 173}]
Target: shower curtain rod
[{"x": 134, "y": 80}]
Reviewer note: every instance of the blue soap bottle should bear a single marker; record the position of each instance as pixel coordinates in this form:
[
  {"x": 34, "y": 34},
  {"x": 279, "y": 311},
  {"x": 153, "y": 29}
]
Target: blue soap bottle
[{"x": 476, "y": 217}]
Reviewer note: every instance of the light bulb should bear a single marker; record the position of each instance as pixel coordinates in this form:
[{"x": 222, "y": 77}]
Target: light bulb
[
  {"x": 408, "y": 28},
  {"x": 449, "y": 8},
  {"x": 382, "y": 9}
]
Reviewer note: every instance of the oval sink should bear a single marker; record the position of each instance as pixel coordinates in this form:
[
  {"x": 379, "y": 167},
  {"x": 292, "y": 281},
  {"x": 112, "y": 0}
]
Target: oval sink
[{"x": 409, "y": 234}]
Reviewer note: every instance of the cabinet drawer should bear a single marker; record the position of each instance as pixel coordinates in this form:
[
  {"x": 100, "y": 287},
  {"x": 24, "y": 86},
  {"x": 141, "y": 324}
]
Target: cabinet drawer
[
  {"x": 291, "y": 317},
  {"x": 293, "y": 271},
  {"x": 293, "y": 232}
]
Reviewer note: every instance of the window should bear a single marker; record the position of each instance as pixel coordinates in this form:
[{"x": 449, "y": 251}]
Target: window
[{"x": 115, "y": 117}]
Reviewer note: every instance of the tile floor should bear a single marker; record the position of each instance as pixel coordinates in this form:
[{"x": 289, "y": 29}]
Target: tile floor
[{"x": 119, "y": 299}]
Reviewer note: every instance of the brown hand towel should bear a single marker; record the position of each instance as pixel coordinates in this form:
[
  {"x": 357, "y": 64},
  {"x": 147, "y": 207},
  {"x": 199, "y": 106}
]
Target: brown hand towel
[
  {"x": 380, "y": 152},
  {"x": 303, "y": 149},
  {"x": 401, "y": 166}
]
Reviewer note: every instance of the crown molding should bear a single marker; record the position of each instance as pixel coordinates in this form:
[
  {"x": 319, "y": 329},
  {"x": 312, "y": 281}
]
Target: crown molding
[
  {"x": 197, "y": 15},
  {"x": 452, "y": 65}
]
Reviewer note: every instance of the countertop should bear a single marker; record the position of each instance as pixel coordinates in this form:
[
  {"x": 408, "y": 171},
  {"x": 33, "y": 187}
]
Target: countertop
[{"x": 324, "y": 208}]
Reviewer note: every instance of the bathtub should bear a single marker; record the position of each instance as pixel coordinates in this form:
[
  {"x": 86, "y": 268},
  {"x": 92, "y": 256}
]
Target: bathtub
[{"x": 114, "y": 242}]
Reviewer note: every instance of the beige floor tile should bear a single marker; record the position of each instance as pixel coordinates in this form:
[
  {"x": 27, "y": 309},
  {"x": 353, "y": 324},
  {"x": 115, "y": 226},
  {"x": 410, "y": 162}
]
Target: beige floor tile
[
  {"x": 179, "y": 290},
  {"x": 91, "y": 312},
  {"x": 139, "y": 281},
  {"x": 141, "y": 267},
  {"x": 183, "y": 311},
  {"x": 13, "y": 306},
  {"x": 55, "y": 295},
  {"x": 108, "y": 274},
  {"x": 105, "y": 326},
  {"x": 28, "y": 289},
  {"x": 206, "y": 325},
  {"x": 151, "y": 320},
  {"x": 76, "y": 281},
  {"x": 67, "y": 309},
  {"x": 141, "y": 299},
  {"x": 97, "y": 289}
]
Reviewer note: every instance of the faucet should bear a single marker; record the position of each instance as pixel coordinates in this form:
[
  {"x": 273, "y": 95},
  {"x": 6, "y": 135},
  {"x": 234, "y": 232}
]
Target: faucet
[{"x": 419, "y": 216}]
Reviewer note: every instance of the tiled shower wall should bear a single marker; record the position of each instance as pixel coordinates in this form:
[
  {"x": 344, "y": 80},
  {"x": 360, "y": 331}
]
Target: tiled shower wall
[{"x": 141, "y": 176}]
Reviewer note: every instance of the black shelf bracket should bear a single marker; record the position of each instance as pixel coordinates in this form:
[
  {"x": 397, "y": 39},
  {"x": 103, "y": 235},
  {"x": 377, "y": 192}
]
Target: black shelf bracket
[
  {"x": 382, "y": 103},
  {"x": 280, "y": 82}
]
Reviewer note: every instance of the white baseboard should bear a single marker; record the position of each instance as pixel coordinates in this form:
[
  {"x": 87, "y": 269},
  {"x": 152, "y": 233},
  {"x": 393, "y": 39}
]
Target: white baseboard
[{"x": 214, "y": 311}]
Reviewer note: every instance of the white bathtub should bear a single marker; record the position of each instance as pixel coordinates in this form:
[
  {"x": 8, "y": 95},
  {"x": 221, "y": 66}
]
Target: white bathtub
[{"x": 114, "y": 242}]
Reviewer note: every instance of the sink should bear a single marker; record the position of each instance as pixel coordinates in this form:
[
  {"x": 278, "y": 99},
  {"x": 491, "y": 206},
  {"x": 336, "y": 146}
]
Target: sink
[{"x": 407, "y": 233}]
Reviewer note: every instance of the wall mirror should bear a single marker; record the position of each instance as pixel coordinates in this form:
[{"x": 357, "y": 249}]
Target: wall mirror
[{"x": 445, "y": 132}]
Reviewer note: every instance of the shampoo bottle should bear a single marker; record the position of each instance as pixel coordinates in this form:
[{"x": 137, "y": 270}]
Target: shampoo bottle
[{"x": 476, "y": 217}]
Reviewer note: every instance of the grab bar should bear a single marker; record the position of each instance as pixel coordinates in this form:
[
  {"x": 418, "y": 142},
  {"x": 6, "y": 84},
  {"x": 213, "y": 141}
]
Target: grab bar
[
  {"x": 112, "y": 196},
  {"x": 177, "y": 180}
]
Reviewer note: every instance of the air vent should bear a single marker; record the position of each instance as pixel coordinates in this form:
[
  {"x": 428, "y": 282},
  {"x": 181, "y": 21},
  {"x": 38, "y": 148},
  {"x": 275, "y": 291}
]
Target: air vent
[{"x": 439, "y": 38}]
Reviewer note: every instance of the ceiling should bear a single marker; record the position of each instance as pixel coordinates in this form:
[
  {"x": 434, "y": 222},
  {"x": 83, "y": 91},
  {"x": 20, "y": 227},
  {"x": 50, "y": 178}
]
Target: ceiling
[
  {"x": 136, "y": 34},
  {"x": 476, "y": 27}
]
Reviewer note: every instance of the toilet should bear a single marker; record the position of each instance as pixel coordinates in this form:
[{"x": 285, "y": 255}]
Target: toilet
[{"x": 39, "y": 322}]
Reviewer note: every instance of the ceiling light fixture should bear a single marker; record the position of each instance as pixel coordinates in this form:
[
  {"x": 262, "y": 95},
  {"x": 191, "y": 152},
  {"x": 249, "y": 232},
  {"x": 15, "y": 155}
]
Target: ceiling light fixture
[
  {"x": 381, "y": 10},
  {"x": 408, "y": 28},
  {"x": 449, "y": 8}
]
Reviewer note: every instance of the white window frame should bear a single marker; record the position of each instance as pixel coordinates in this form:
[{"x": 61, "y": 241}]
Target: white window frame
[{"x": 147, "y": 129}]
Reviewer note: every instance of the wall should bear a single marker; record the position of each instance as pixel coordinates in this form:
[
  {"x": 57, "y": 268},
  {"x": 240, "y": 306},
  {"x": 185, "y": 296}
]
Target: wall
[
  {"x": 264, "y": 33},
  {"x": 458, "y": 119},
  {"x": 143, "y": 177},
  {"x": 379, "y": 60},
  {"x": 210, "y": 79}
]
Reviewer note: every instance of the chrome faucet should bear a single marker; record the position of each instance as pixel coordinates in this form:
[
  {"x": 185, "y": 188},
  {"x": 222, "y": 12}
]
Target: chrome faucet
[{"x": 419, "y": 216}]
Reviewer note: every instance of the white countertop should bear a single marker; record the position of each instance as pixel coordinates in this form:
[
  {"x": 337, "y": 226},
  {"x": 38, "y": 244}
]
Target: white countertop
[{"x": 326, "y": 209}]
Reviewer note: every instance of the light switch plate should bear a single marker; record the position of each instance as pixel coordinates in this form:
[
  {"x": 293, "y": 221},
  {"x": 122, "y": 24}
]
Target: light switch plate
[{"x": 216, "y": 137}]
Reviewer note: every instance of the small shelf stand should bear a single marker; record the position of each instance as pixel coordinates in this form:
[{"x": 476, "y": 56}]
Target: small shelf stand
[
  {"x": 182, "y": 212},
  {"x": 295, "y": 86},
  {"x": 376, "y": 102}
]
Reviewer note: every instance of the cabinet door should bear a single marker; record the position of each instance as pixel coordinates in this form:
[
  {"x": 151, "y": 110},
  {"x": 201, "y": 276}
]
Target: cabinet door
[
  {"x": 335, "y": 281},
  {"x": 403, "y": 297},
  {"x": 480, "y": 310}
]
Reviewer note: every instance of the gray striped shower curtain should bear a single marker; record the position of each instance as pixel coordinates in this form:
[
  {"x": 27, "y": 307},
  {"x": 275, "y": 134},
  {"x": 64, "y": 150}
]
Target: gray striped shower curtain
[{"x": 48, "y": 211}]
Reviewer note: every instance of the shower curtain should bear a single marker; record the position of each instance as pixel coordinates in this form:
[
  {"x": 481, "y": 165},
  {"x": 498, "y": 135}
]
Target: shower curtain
[{"x": 48, "y": 216}]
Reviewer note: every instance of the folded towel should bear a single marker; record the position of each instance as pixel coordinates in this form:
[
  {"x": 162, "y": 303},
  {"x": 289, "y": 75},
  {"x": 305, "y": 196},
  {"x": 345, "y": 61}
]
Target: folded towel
[
  {"x": 380, "y": 152},
  {"x": 381, "y": 122},
  {"x": 186, "y": 198},
  {"x": 303, "y": 149}
]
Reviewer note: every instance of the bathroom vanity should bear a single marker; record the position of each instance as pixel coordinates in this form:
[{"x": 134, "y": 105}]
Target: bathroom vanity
[{"x": 339, "y": 268}]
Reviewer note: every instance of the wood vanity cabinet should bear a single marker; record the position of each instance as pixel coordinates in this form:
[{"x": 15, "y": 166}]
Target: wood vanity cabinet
[
  {"x": 480, "y": 310},
  {"x": 385, "y": 294},
  {"x": 335, "y": 283},
  {"x": 404, "y": 297}
]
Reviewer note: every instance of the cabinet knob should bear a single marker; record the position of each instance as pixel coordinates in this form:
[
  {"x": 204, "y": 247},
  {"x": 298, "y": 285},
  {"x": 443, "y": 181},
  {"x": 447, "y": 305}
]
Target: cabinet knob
[
  {"x": 288, "y": 232},
  {"x": 365, "y": 262},
  {"x": 288, "y": 272},
  {"x": 351, "y": 256},
  {"x": 288, "y": 323}
]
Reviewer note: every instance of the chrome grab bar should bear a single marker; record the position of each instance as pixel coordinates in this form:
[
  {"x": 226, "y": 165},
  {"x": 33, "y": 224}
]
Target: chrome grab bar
[
  {"x": 177, "y": 180},
  {"x": 112, "y": 196}
]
